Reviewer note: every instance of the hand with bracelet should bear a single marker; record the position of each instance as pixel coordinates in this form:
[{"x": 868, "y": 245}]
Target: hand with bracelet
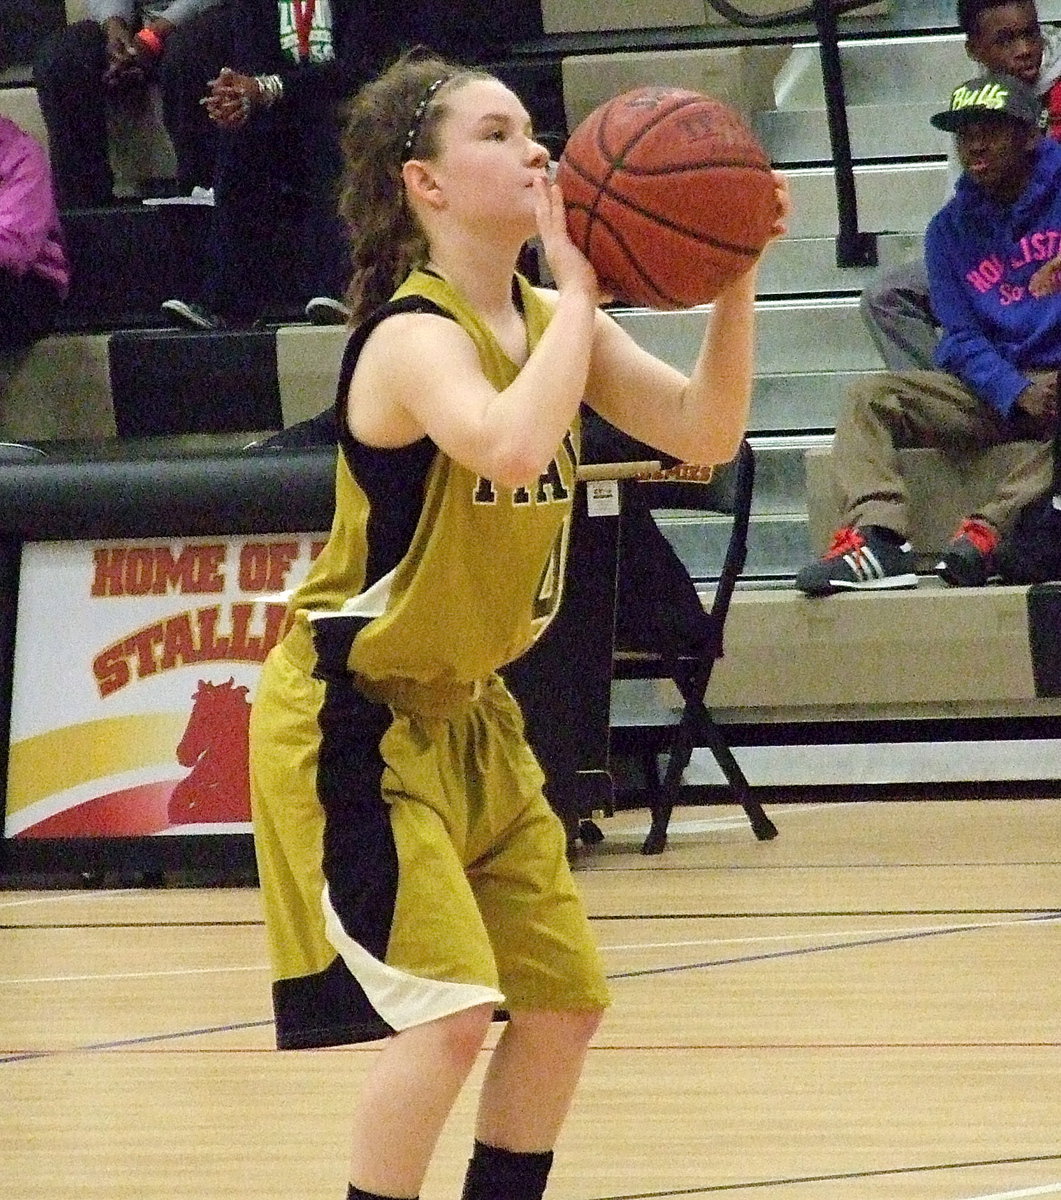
[
  {"x": 131, "y": 58},
  {"x": 234, "y": 97},
  {"x": 150, "y": 41},
  {"x": 124, "y": 65}
]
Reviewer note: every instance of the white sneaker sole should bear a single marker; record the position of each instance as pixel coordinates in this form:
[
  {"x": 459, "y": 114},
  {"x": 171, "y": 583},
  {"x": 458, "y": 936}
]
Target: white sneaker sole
[{"x": 875, "y": 585}]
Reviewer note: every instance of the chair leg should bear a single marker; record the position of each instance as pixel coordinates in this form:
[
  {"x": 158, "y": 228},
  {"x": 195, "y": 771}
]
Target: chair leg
[
  {"x": 657, "y": 834},
  {"x": 665, "y": 794},
  {"x": 763, "y": 828}
]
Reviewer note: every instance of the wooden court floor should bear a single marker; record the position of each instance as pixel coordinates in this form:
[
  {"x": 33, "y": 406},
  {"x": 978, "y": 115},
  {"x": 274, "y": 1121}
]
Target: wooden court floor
[{"x": 867, "y": 1008}]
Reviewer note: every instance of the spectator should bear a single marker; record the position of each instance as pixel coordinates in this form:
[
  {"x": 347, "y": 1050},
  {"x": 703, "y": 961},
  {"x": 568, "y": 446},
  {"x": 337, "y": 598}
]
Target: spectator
[
  {"x": 112, "y": 59},
  {"x": 279, "y": 162},
  {"x": 34, "y": 276},
  {"x": 1003, "y": 36},
  {"x": 277, "y": 107},
  {"x": 987, "y": 252}
]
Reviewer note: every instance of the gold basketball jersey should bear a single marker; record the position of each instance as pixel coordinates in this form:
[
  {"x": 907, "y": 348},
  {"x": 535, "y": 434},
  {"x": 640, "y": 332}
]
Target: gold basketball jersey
[{"x": 450, "y": 575}]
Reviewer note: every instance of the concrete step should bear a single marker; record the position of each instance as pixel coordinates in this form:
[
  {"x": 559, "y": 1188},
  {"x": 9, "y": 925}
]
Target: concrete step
[
  {"x": 876, "y": 131},
  {"x": 794, "y": 336},
  {"x": 807, "y": 265},
  {"x": 877, "y": 71}
]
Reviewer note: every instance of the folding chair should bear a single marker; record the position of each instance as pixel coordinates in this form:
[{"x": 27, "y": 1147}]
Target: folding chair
[{"x": 663, "y": 630}]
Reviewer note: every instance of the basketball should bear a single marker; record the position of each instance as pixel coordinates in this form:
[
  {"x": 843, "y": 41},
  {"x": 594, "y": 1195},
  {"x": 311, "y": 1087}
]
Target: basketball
[{"x": 669, "y": 194}]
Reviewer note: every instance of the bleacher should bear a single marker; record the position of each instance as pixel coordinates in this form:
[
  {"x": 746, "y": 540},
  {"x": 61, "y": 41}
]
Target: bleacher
[{"x": 957, "y": 677}]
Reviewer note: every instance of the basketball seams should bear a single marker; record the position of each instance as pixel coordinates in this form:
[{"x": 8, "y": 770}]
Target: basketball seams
[
  {"x": 689, "y": 168},
  {"x": 644, "y": 130},
  {"x": 633, "y": 262},
  {"x": 711, "y": 240},
  {"x": 618, "y": 162},
  {"x": 694, "y": 235},
  {"x": 602, "y": 192}
]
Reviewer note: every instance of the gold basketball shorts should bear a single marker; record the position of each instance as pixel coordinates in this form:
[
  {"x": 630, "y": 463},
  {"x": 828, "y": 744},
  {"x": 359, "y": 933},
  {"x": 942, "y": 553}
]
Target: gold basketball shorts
[{"x": 410, "y": 865}]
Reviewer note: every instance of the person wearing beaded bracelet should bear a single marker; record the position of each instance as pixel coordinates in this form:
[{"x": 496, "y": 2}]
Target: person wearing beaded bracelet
[
  {"x": 112, "y": 58},
  {"x": 293, "y": 63},
  {"x": 275, "y": 105}
]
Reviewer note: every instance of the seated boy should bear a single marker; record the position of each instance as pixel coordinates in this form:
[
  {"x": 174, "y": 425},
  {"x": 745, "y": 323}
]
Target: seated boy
[{"x": 999, "y": 353}]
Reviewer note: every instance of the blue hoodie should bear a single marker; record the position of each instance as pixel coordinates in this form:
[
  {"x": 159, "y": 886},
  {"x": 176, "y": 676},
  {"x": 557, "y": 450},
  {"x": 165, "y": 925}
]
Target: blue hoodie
[{"x": 980, "y": 257}]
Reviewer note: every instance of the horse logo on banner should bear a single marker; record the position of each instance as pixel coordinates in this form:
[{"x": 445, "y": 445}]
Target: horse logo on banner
[{"x": 214, "y": 746}]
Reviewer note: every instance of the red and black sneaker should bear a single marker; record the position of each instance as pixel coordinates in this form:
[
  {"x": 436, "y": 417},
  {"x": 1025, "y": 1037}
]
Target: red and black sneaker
[
  {"x": 969, "y": 559},
  {"x": 859, "y": 560}
]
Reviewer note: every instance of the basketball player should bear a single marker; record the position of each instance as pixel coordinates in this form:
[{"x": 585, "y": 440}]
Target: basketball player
[{"x": 414, "y": 877}]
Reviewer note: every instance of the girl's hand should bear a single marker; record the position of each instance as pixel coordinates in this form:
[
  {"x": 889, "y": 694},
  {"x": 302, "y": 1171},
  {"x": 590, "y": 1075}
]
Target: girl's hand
[
  {"x": 784, "y": 206},
  {"x": 746, "y": 281},
  {"x": 569, "y": 267}
]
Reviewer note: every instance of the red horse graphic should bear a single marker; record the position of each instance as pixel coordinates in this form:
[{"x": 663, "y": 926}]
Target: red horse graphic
[{"x": 214, "y": 745}]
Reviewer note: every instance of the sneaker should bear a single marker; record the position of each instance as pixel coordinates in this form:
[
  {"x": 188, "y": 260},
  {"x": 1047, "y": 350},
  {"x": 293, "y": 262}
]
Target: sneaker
[
  {"x": 969, "y": 559},
  {"x": 859, "y": 560},
  {"x": 326, "y": 310},
  {"x": 192, "y": 316}
]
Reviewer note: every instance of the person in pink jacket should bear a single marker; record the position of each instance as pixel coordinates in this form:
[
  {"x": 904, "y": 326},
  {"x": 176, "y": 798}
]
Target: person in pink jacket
[{"x": 34, "y": 272}]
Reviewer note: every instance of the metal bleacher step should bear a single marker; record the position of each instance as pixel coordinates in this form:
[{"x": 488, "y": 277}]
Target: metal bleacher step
[
  {"x": 778, "y": 544},
  {"x": 892, "y": 86},
  {"x": 911, "y": 69},
  {"x": 778, "y": 539},
  {"x": 792, "y": 136},
  {"x": 892, "y": 197},
  {"x": 794, "y": 335},
  {"x": 808, "y": 266},
  {"x": 797, "y": 395},
  {"x": 799, "y": 403}
]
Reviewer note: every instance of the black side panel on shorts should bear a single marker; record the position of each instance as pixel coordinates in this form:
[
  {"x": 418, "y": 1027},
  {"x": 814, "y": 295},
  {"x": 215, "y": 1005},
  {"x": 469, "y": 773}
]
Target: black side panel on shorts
[
  {"x": 326, "y": 1009},
  {"x": 360, "y": 859}
]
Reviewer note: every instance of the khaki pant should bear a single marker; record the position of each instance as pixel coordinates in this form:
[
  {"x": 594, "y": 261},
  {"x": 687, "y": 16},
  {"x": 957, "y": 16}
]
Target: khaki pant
[{"x": 888, "y": 412}]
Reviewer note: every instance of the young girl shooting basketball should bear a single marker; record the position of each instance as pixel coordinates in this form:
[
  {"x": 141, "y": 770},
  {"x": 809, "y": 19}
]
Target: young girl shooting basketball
[{"x": 414, "y": 877}]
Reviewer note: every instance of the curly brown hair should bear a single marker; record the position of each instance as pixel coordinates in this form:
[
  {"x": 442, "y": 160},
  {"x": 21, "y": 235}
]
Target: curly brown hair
[{"x": 386, "y": 240}]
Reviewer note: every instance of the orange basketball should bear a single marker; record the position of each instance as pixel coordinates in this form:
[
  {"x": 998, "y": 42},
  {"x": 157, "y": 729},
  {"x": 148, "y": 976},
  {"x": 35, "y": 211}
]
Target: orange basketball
[{"x": 669, "y": 195}]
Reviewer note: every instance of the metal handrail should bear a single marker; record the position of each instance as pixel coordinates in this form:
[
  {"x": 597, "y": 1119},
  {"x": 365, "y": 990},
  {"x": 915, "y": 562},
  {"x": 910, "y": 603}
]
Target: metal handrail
[
  {"x": 791, "y": 16},
  {"x": 854, "y": 248}
]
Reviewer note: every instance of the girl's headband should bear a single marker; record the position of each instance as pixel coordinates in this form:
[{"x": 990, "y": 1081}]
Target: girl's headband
[{"x": 418, "y": 115}]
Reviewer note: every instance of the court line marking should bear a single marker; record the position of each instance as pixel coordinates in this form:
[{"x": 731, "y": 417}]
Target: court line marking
[
  {"x": 775, "y": 868},
  {"x": 126, "y": 1043},
  {"x": 832, "y": 933},
  {"x": 881, "y": 1173},
  {"x": 778, "y": 954},
  {"x": 756, "y": 914},
  {"x": 76, "y": 897},
  {"x": 39, "y": 926},
  {"x": 862, "y": 938},
  {"x": 1049, "y": 1189},
  {"x": 132, "y": 975}
]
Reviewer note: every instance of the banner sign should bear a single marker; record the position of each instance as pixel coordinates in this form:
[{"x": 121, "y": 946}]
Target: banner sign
[{"x": 134, "y": 669}]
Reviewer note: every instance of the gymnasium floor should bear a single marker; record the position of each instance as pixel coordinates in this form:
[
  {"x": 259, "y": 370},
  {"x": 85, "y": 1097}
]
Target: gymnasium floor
[{"x": 867, "y": 1008}]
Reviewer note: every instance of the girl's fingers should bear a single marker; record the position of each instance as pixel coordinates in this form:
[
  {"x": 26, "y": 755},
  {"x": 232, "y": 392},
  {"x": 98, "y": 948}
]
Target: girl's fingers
[
  {"x": 552, "y": 218},
  {"x": 784, "y": 205}
]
